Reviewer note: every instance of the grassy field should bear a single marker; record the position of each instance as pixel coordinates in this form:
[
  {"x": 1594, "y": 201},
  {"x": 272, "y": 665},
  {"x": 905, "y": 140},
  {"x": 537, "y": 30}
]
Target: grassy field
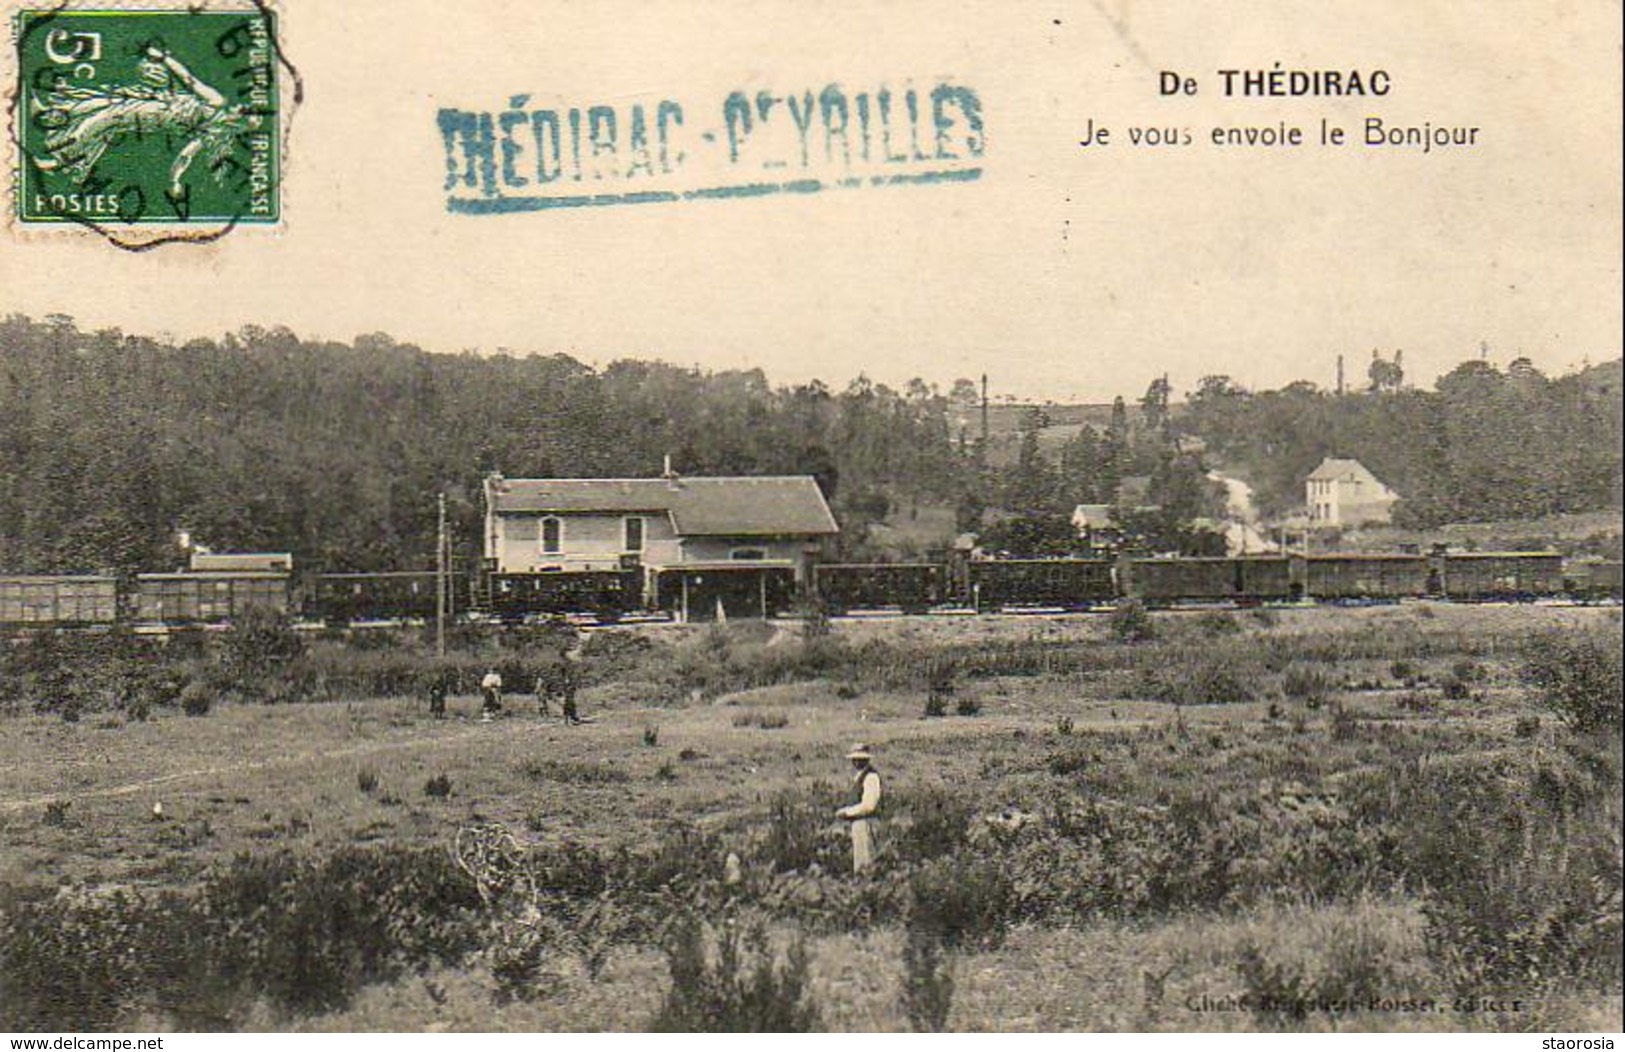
[{"x": 1294, "y": 819}]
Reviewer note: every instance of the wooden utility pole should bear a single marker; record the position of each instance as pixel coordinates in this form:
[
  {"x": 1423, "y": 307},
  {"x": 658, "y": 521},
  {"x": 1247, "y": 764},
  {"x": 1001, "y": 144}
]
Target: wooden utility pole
[
  {"x": 440, "y": 580},
  {"x": 984, "y": 412}
]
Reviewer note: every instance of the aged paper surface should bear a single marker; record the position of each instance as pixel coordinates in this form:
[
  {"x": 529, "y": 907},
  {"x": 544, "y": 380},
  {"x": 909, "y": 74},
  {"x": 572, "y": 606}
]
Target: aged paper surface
[{"x": 1030, "y": 209}]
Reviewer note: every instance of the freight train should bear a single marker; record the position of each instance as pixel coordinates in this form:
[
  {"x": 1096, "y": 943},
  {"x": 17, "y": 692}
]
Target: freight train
[{"x": 205, "y": 595}]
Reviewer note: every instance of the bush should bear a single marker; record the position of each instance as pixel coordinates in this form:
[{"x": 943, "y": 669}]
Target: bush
[
  {"x": 963, "y": 900},
  {"x": 1519, "y": 867},
  {"x": 741, "y": 991},
  {"x": 1454, "y": 689},
  {"x": 302, "y": 934},
  {"x": 939, "y": 823},
  {"x": 439, "y": 786},
  {"x": 573, "y": 772},
  {"x": 196, "y": 698},
  {"x": 258, "y": 653},
  {"x": 1198, "y": 677},
  {"x": 795, "y": 832},
  {"x": 1577, "y": 678},
  {"x": 767, "y": 721},
  {"x": 1215, "y": 624},
  {"x": 366, "y": 780},
  {"x": 1308, "y": 684},
  {"x": 1273, "y": 990},
  {"x": 1131, "y": 623},
  {"x": 936, "y": 706},
  {"x": 965, "y": 705},
  {"x": 928, "y": 982}
]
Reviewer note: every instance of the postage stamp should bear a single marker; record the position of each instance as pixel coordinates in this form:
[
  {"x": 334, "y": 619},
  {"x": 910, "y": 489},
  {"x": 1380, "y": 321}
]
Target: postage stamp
[{"x": 128, "y": 119}]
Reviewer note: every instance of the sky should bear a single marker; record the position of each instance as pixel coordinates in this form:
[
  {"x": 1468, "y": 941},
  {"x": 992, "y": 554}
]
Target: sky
[{"x": 1064, "y": 272}]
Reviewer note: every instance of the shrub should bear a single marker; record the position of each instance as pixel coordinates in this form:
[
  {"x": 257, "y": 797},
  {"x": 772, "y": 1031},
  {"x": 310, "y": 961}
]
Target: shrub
[
  {"x": 1273, "y": 990},
  {"x": 936, "y": 706},
  {"x": 302, "y": 934},
  {"x": 965, "y": 705},
  {"x": 928, "y": 982},
  {"x": 1577, "y": 678},
  {"x": 1454, "y": 689},
  {"x": 939, "y": 823},
  {"x": 366, "y": 780},
  {"x": 575, "y": 772},
  {"x": 1467, "y": 670},
  {"x": 1526, "y": 727},
  {"x": 651, "y": 736},
  {"x": 767, "y": 721},
  {"x": 795, "y": 840},
  {"x": 1131, "y": 623},
  {"x": 1519, "y": 868},
  {"x": 1309, "y": 684},
  {"x": 258, "y": 653},
  {"x": 742, "y": 990},
  {"x": 439, "y": 786},
  {"x": 1215, "y": 624},
  {"x": 1415, "y": 701},
  {"x": 1404, "y": 672},
  {"x": 1345, "y": 725},
  {"x": 963, "y": 900},
  {"x": 196, "y": 698},
  {"x": 1197, "y": 677},
  {"x": 1353, "y": 975}
]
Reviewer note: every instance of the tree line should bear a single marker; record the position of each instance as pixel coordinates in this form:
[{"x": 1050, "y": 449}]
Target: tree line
[
  {"x": 259, "y": 440},
  {"x": 334, "y": 451},
  {"x": 1484, "y": 444}
]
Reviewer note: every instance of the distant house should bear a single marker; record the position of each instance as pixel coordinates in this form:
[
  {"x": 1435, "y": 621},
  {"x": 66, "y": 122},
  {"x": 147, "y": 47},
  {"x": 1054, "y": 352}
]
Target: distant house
[
  {"x": 1343, "y": 492},
  {"x": 1096, "y": 526},
  {"x": 702, "y": 545}
]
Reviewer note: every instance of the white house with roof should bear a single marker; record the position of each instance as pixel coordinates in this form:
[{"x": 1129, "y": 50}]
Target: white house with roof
[
  {"x": 1343, "y": 492},
  {"x": 702, "y": 543}
]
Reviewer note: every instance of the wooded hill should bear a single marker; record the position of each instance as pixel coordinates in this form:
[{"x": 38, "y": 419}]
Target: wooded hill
[{"x": 335, "y": 451}]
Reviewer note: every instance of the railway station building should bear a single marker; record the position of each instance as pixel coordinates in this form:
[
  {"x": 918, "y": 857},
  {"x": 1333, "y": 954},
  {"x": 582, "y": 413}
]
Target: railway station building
[{"x": 698, "y": 548}]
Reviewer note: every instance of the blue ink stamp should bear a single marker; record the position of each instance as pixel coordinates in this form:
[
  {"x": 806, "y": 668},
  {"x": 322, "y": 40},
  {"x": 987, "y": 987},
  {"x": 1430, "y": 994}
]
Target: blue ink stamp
[{"x": 528, "y": 157}]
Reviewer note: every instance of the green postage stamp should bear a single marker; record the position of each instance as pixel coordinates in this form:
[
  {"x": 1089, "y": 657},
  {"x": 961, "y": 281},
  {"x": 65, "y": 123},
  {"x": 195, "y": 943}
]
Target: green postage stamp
[{"x": 146, "y": 118}]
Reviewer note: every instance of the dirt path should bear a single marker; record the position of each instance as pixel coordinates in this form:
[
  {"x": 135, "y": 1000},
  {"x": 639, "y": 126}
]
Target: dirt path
[{"x": 131, "y": 788}]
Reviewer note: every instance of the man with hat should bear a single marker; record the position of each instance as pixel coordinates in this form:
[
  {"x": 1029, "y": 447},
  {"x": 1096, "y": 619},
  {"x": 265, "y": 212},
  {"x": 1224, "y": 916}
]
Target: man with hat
[{"x": 865, "y": 803}]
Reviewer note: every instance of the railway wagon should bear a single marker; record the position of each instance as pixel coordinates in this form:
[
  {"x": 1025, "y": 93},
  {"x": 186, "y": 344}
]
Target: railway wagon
[
  {"x": 1594, "y": 580},
  {"x": 1070, "y": 583},
  {"x": 1365, "y": 576},
  {"x": 1482, "y": 576},
  {"x": 1242, "y": 578},
  {"x": 910, "y": 587},
  {"x": 182, "y": 598},
  {"x": 710, "y": 591},
  {"x": 38, "y": 600},
  {"x": 606, "y": 593},
  {"x": 340, "y": 598}
]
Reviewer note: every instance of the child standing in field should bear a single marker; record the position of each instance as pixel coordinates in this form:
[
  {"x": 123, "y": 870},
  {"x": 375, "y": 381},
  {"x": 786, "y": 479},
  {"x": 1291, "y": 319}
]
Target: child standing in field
[
  {"x": 491, "y": 688},
  {"x": 437, "y": 696}
]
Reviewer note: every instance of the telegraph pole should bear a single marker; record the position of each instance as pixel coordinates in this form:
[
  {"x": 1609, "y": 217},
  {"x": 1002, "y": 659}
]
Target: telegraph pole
[{"x": 440, "y": 580}]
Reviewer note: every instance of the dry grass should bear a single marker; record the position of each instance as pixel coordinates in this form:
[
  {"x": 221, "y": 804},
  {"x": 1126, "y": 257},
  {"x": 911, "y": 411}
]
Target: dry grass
[{"x": 255, "y": 778}]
